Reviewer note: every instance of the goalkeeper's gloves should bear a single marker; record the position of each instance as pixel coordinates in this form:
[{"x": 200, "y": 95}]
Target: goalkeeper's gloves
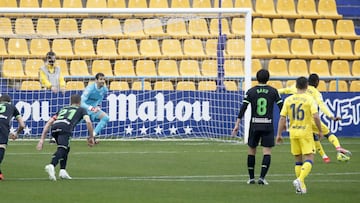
[{"x": 94, "y": 109}]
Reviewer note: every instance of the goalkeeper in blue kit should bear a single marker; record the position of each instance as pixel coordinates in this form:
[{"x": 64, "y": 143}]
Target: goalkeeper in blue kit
[{"x": 91, "y": 100}]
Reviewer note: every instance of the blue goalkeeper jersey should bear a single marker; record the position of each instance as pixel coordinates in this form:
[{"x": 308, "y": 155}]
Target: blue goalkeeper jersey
[{"x": 93, "y": 96}]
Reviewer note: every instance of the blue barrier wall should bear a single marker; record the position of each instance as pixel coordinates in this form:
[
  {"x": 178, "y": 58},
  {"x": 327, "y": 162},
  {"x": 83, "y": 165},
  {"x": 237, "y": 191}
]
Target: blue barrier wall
[{"x": 177, "y": 113}]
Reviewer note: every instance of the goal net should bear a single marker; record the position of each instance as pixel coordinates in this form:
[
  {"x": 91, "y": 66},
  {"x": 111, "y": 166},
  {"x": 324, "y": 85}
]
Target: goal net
[{"x": 171, "y": 73}]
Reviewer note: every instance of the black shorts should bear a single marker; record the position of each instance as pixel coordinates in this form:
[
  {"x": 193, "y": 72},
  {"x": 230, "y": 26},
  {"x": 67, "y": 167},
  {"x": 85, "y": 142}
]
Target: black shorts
[
  {"x": 62, "y": 137},
  {"x": 265, "y": 138},
  {"x": 4, "y": 137}
]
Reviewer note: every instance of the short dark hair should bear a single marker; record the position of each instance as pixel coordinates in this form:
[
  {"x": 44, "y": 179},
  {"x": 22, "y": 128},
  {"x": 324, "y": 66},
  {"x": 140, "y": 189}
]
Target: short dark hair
[
  {"x": 50, "y": 54},
  {"x": 262, "y": 76},
  {"x": 301, "y": 83},
  {"x": 313, "y": 79},
  {"x": 75, "y": 99},
  {"x": 98, "y": 75},
  {"x": 5, "y": 98}
]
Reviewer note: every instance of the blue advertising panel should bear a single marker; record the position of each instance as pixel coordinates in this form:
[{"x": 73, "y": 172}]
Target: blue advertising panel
[{"x": 171, "y": 113}]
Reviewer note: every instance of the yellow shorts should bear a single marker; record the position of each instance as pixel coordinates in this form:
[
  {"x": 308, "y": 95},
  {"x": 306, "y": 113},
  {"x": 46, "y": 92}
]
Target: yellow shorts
[
  {"x": 325, "y": 130},
  {"x": 301, "y": 146}
]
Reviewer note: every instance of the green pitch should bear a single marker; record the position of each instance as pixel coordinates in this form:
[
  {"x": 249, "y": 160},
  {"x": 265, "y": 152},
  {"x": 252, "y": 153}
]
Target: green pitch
[{"x": 172, "y": 171}]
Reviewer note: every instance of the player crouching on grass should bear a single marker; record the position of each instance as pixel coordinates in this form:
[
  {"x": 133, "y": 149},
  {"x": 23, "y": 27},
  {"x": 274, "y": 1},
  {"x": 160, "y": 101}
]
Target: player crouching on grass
[
  {"x": 62, "y": 125},
  {"x": 7, "y": 112}
]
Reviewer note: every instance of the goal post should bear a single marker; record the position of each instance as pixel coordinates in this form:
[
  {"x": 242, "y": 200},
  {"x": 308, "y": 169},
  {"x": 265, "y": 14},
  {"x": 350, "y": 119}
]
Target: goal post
[{"x": 138, "y": 54}]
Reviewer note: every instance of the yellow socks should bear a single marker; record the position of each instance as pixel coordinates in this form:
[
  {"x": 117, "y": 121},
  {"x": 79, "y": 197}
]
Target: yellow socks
[{"x": 334, "y": 140}]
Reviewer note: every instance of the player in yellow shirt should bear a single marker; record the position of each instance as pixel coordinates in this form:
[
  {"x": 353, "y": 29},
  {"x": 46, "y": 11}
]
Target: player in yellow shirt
[
  {"x": 301, "y": 110},
  {"x": 313, "y": 81}
]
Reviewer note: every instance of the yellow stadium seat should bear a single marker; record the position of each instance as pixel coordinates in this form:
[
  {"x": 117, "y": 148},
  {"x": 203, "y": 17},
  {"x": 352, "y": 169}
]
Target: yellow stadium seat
[
  {"x": 325, "y": 29},
  {"x": 201, "y": 4},
  {"x": 357, "y": 47},
  {"x": 304, "y": 27},
  {"x": 281, "y": 28},
  {"x": 207, "y": 86},
  {"x": 185, "y": 86},
  {"x": 145, "y": 68},
  {"x": 277, "y": 84},
  {"x": 286, "y": 8},
  {"x": 320, "y": 67},
  {"x": 24, "y": 26},
  {"x": 322, "y": 87},
  {"x": 133, "y": 28},
  {"x": 30, "y": 85},
  {"x": 91, "y": 26},
  {"x": 343, "y": 49},
  {"x": 32, "y": 67},
  {"x": 262, "y": 28},
  {"x": 211, "y": 47},
  {"x": 301, "y": 48},
  {"x": 153, "y": 28},
  {"x": 171, "y": 48},
  {"x": 46, "y": 27},
  {"x": 260, "y": 48},
  {"x": 290, "y": 83},
  {"x": 63, "y": 66},
  {"x": 231, "y": 86},
  {"x": 224, "y": 4},
  {"x": 72, "y": 4},
  {"x": 189, "y": 68},
  {"x": 322, "y": 49},
  {"x": 256, "y": 65},
  {"x": 75, "y": 85},
  {"x": 13, "y": 69},
  {"x": 29, "y": 4},
  {"x": 307, "y": 9},
  {"x": 141, "y": 85},
  {"x": 163, "y": 85},
  {"x": 198, "y": 28},
  {"x": 278, "y": 67},
  {"x": 209, "y": 68},
  {"x": 119, "y": 85},
  {"x": 127, "y": 48},
  {"x": 3, "y": 51},
  {"x": 327, "y": 9},
  {"x": 68, "y": 27},
  {"x": 193, "y": 48},
  {"x": 355, "y": 68},
  {"x": 298, "y": 67},
  {"x": 340, "y": 68},
  {"x": 50, "y": 4},
  {"x": 345, "y": 28},
  {"x": 84, "y": 48},
  {"x": 150, "y": 48},
  {"x": 180, "y": 4},
  {"x": 214, "y": 27},
  {"x": 235, "y": 48},
  {"x": 79, "y": 68},
  {"x": 18, "y": 47},
  {"x": 96, "y": 4},
  {"x": 8, "y": 3},
  {"x": 355, "y": 86},
  {"x": 176, "y": 27},
  {"x": 279, "y": 47},
  {"x": 101, "y": 66},
  {"x": 62, "y": 47},
  {"x": 238, "y": 26},
  {"x": 338, "y": 86},
  {"x": 124, "y": 68},
  {"x": 39, "y": 47},
  {"x": 116, "y": 3},
  {"x": 266, "y": 8},
  {"x": 5, "y": 27},
  {"x": 233, "y": 68},
  {"x": 106, "y": 48},
  {"x": 168, "y": 68},
  {"x": 111, "y": 28},
  {"x": 137, "y": 4},
  {"x": 158, "y": 4},
  {"x": 246, "y": 4}
]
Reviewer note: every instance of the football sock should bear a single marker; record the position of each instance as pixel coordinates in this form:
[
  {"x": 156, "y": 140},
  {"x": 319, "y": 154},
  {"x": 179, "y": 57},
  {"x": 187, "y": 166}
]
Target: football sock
[
  {"x": 251, "y": 165},
  {"x": 334, "y": 140},
  {"x": 319, "y": 148},
  {"x": 64, "y": 160},
  {"x": 305, "y": 170},
  {"x": 101, "y": 124},
  {"x": 2, "y": 152},
  {"x": 58, "y": 155},
  {"x": 265, "y": 165},
  {"x": 298, "y": 166}
]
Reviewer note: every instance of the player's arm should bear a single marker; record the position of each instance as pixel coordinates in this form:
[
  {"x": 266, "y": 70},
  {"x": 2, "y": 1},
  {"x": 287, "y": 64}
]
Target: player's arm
[
  {"x": 90, "y": 128},
  {"x": 278, "y": 100},
  {"x": 316, "y": 118},
  {"x": 20, "y": 128},
  {"x": 281, "y": 128},
  {"x": 45, "y": 131},
  {"x": 240, "y": 115},
  {"x": 320, "y": 102},
  {"x": 287, "y": 90},
  {"x": 44, "y": 80}
]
